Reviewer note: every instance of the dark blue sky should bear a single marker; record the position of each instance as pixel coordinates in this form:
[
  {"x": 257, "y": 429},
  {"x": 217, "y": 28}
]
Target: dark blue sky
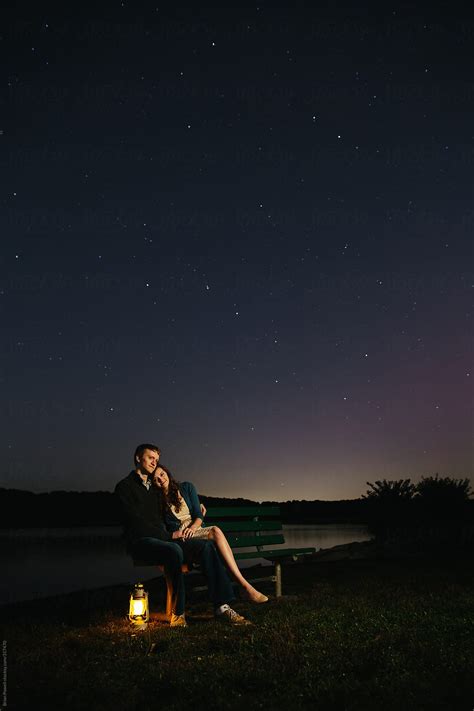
[{"x": 243, "y": 234}]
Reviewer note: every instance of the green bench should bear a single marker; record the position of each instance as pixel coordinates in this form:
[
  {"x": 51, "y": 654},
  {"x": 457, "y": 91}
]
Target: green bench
[
  {"x": 252, "y": 531},
  {"x": 256, "y": 529}
]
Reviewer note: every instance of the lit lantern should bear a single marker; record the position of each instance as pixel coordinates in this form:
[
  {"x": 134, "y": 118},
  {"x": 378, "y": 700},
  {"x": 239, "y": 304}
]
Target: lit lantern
[{"x": 138, "y": 614}]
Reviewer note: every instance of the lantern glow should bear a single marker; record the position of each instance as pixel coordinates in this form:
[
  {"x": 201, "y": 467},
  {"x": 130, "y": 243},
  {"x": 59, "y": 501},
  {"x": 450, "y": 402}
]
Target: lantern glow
[{"x": 138, "y": 612}]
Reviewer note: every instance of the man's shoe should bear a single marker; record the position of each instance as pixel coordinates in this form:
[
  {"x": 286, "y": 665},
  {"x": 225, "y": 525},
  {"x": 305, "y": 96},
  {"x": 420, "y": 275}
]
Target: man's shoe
[
  {"x": 231, "y": 617},
  {"x": 178, "y": 621}
]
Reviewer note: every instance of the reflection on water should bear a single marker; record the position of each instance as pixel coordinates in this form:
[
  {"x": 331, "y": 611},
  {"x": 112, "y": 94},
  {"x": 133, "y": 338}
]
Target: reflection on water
[
  {"x": 325, "y": 536},
  {"x": 41, "y": 562}
]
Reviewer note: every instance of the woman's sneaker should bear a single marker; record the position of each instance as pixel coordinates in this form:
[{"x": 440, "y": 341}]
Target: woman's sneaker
[{"x": 230, "y": 616}]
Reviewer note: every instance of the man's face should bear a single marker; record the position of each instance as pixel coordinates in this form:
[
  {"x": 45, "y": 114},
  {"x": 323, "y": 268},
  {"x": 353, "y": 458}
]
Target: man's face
[{"x": 148, "y": 461}]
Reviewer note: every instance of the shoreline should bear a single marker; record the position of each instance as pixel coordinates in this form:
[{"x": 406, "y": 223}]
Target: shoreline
[{"x": 370, "y": 552}]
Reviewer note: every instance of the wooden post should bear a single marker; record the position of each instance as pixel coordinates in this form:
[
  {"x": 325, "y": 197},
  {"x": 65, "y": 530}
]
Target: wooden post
[{"x": 278, "y": 579}]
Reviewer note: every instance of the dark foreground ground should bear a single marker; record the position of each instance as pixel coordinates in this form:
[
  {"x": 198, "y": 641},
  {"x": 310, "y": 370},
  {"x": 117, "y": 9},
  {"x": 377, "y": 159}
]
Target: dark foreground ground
[{"x": 353, "y": 634}]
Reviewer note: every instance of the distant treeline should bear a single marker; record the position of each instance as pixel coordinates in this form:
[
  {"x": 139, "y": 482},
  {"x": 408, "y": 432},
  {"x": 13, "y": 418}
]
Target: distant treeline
[{"x": 23, "y": 509}]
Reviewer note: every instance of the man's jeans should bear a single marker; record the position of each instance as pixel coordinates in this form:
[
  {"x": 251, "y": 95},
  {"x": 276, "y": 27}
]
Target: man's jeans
[{"x": 172, "y": 554}]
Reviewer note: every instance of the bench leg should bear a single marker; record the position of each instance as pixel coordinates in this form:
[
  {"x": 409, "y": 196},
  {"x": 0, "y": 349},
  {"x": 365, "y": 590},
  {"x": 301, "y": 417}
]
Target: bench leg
[
  {"x": 169, "y": 597},
  {"x": 185, "y": 568},
  {"x": 278, "y": 579}
]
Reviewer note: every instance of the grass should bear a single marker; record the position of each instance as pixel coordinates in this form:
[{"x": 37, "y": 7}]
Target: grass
[{"x": 348, "y": 635}]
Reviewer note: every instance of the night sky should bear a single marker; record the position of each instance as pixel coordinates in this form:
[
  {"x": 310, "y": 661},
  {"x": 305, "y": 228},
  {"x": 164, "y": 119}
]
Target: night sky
[{"x": 244, "y": 234}]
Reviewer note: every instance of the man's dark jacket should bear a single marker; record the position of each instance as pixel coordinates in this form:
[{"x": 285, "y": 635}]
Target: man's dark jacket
[{"x": 141, "y": 511}]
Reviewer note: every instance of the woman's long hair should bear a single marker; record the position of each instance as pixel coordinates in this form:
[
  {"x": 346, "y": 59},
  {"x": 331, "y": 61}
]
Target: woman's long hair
[{"x": 171, "y": 498}]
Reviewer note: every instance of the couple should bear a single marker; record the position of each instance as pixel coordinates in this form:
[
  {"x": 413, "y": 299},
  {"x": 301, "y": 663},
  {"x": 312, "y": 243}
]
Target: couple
[{"x": 162, "y": 522}]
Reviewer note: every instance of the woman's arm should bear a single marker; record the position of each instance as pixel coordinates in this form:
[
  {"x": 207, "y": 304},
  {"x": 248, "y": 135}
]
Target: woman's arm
[
  {"x": 189, "y": 494},
  {"x": 190, "y": 530}
]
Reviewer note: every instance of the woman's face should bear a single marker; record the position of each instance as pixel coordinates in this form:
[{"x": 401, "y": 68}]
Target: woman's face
[{"x": 162, "y": 479}]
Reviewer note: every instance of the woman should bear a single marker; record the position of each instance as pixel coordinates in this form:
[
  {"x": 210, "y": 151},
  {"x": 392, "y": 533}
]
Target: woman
[{"x": 182, "y": 511}]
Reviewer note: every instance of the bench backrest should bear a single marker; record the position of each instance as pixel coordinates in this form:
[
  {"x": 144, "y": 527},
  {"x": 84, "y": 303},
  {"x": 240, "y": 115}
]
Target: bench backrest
[{"x": 246, "y": 526}]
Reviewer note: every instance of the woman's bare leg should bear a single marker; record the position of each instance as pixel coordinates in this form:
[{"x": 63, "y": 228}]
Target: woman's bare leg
[{"x": 225, "y": 550}]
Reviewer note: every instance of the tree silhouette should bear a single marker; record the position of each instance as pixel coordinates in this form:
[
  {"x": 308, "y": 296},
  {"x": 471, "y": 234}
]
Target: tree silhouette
[{"x": 390, "y": 492}]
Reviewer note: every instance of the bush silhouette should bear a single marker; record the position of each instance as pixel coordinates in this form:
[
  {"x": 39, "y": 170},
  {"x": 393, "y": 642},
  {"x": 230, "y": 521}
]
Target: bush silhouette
[
  {"x": 434, "y": 511},
  {"x": 443, "y": 498},
  {"x": 388, "y": 504},
  {"x": 445, "y": 490}
]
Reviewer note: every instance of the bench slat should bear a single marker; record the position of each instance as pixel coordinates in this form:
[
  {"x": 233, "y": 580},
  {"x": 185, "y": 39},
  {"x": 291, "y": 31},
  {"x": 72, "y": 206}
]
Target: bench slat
[
  {"x": 275, "y": 553},
  {"x": 186, "y": 567},
  {"x": 247, "y": 541},
  {"x": 268, "y": 554},
  {"x": 221, "y": 512},
  {"x": 249, "y": 525}
]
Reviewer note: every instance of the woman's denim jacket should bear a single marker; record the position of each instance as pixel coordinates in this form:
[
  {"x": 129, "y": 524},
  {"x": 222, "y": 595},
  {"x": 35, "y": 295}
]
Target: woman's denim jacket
[{"x": 189, "y": 494}]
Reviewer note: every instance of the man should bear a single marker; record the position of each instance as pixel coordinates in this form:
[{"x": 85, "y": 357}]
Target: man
[{"x": 148, "y": 539}]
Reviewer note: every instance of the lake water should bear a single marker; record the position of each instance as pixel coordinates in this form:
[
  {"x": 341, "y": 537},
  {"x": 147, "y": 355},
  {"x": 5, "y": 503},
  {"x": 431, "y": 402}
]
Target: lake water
[{"x": 41, "y": 562}]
